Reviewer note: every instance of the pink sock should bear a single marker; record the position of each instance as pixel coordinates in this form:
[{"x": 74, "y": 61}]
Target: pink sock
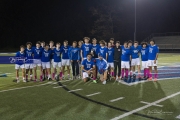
[
  {"x": 127, "y": 73},
  {"x": 122, "y": 74},
  {"x": 60, "y": 74},
  {"x": 112, "y": 73},
  {"x": 139, "y": 75},
  {"x": 150, "y": 75},
  {"x": 53, "y": 74},
  {"x": 147, "y": 74},
  {"x": 40, "y": 77},
  {"x": 35, "y": 77},
  {"x": 155, "y": 75}
]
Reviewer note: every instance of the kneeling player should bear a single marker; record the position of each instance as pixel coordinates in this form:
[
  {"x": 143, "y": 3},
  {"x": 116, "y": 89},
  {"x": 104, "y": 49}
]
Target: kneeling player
[
  {"x": 88, "y": 68},
  {"x": 20, "y": 63},
  {"x": 102, "y": 67}
]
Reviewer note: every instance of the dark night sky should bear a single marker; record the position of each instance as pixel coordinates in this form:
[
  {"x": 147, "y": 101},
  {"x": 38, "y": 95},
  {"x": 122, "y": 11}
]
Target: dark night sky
[{"x": 57, "y": 20}]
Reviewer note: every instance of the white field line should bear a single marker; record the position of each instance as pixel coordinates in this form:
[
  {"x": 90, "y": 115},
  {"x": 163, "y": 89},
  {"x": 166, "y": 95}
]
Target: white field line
[
  {"x": 59, "y": 86},
  {"x": 120, "y": 98},
  {"x": 146, "y": 106},
  {"x": 150, "y": 103},
  {"x": 24, "y": 87},
  {"x": 75, "y": 90},
  {"x": 93, "y": 94},
  {"x": 178, "y": 117}
]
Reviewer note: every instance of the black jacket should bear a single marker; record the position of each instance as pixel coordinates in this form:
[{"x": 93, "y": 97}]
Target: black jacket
[{"x": 117, "y": 54}]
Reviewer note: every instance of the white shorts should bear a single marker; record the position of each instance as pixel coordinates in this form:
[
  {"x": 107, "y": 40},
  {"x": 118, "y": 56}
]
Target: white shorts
[
  {"x": 151, "y": 63},
  {"x": 37, "y": 62},
  {"x": 46, "y": 65},
  {"x": 110, "y": 65},
  {"x": 19, "y": 66},
  {"x": 125, "y": 64},
  {"x": 135, "y": 62},
  {"x": 144, "y": 64},
  {"x": 85, "y": 75},
  {"x": 66, "y": 62},
  {"x": 56, "y": 64},
  {"x": 29, "y": 66}
]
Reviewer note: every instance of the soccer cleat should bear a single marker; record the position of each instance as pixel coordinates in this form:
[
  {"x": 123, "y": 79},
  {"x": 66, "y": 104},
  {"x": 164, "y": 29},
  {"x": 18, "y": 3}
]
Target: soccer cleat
[
  {"x": 104, "y": 82},
  {"x": 24, "y": 80},
  {"x": 18, "y": 81},
  {"x": 150, "y": 78},
  {"x": 155, "y": 79},
  {"x": 49, "y": 79},
  {"x": 94, "y": 81}
]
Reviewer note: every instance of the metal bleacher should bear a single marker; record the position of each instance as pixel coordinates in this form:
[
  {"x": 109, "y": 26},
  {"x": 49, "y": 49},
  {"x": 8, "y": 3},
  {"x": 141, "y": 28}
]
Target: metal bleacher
[{"x": 166, "y": 41}]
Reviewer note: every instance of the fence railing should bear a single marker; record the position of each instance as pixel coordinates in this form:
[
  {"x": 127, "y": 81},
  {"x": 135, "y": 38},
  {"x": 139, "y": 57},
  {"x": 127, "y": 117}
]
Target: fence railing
[{"x": 169, "y": 46}]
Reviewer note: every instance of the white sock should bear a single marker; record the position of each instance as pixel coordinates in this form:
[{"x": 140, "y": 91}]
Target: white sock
[
  {"x": 23, "y": 78},
  {"x": 49, "y": 76}
]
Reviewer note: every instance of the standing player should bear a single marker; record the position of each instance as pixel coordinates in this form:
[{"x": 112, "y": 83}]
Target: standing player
[
  {"x": 45, "y": 59},
  {"x": 95, "y": 48},
  {"x": 135, "y": 60},
  {"x": 88, "y": 67},
  {"x": 117, "y": 60},
  {"x": 74, "y": 55},
  {"x": 125, "y": 57},
  {"x": 130, "y": 45},
  {"x": 65, "y": 59},
  {"x": 102, "y": 67},
  {"x": 20, "y": 63},
  {"x": 103, "y": 49},
  {"x": 144, "y": 59},
  {"x": 110, "y": 59},
  {"x": 29, "y": 64},
  {"x": 85, "y": 48},
  {"x": 80, "y": 43},
  {"x": 152, "y": 59},
  {"x": 57, "y": 61},
  {"x": 37, "y": 51}
]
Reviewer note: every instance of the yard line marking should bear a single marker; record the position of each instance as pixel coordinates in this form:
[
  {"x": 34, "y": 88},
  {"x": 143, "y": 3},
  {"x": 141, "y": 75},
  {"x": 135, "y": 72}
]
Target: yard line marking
[
  {"x": 178, "y": 117},
  {"x": 23, "y": 87},
  {"x": 59, "y": 86},
  {"x": 74, "y": 90},
  {"x": 120, "y": 98},
  {"x": 93, "y": 94},
  {"x": 146, "y": 106},
  {"x": 150, "y": 103}
]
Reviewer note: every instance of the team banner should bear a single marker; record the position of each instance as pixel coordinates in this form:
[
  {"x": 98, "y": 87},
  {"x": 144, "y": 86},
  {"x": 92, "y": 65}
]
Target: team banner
[{"x": 16, "y": 60}]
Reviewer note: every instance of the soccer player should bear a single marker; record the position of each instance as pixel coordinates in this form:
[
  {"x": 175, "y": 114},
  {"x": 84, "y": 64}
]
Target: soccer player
[
  {"x": 20, "y": 63},
  {"x": 29, "y": 64},
  {"x": 45, "y": 59},
  {"x": 103, "y": 49},
  {"x": 37, "y": 51},
  {"x": 74, "y": 55},
  {"x": 144, "y": 59},
  {"x": 117, "y": 60},
  {"x": 88, "y": 67},
  {"x": 130, "y": 45},
  {"x": 112, "y": 42},
  {"x": 125, "y": 58},
  {"x": 57, "y": 61},
  {"x": 65, "y": 58},
  {"x": 95, "y": 48},
  {"x": 110, "y": 59},
  {"x": 80, "y": 43},
  {"x": 136, "y": 49},
  {"x": 85, "y": 48},
  {"x": 152, "y": 59},
  {"x": 102, "y": 67}
]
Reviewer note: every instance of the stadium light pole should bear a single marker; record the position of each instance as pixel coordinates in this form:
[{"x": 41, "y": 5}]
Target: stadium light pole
[{"x": 135, "y": 20}]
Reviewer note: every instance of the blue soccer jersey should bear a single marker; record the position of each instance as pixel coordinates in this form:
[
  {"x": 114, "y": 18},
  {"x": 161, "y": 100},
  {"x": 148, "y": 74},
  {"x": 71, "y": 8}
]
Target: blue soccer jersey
[
  {"x": 95, "y": 49},
  {"x": 101, "y": 65},
  {"x": 74, "y": 53},
  {"x": 144, "y": 54},
  {"x": 56, "y": 55},
  {"x": 46, "y": 55},
  {"x": 37, "y": 52},
  {"x": 29, "y": 53},
  {"x": 86, "y": 49},
  {"x": 103, "y": 51},
  {"x": 20, "y": 58},
  {"x": 64, "y": 52},
  {"x": 87, "y": 64},
  {"x": 126, "y": 53},
  {"x": 153, "y": 50},
  {"x": 135, "y": 51},
  {"x": 110, "y": 55}
]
